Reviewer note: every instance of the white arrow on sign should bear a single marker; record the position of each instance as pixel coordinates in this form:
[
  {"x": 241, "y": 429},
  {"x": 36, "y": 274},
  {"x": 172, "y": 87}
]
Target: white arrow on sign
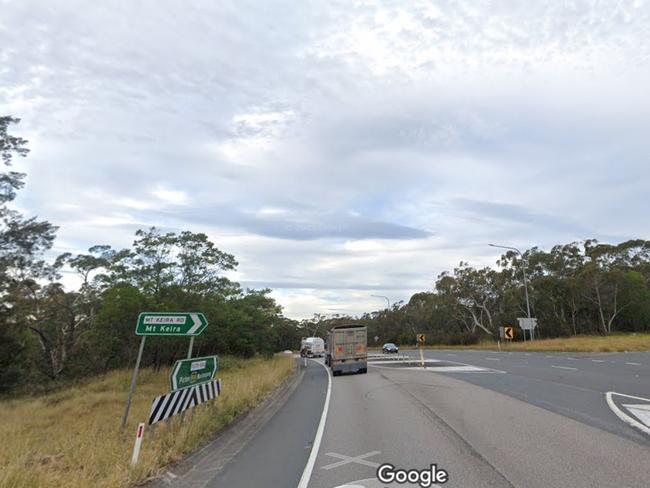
[
  {"x": 197, "y": 324},
  {"x": 635, "y": 414}
]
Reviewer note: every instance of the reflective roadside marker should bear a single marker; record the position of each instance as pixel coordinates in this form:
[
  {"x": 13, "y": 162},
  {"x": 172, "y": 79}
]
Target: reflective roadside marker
[{"x": 138, "y": 442}]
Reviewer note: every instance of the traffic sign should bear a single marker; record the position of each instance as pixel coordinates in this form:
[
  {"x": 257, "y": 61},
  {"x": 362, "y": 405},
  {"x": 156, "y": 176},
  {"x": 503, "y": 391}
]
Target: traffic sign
[
  {"x": 191, "y": 372},
  {"x": 171, "y": 323},
  {"x": 509, "y": 333},
  {"x": 420, "y": 338}
]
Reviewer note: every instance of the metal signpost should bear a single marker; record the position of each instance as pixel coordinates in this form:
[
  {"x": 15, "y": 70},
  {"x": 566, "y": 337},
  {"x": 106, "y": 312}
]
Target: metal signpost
[
  {"x": 191, "y": 372},
  {"x": 420, "y": 339},
  {"x": 528, "y": 324},
  {"x": 177, "y": 324}
]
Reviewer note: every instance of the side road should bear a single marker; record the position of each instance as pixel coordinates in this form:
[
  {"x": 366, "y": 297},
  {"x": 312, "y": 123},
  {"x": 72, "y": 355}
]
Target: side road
[{"x": 260, "y": 448}]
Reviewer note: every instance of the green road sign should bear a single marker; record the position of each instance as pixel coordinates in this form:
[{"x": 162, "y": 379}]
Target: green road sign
[
  {"x": 190, "y": 372},
  {"x": 171, "y": 323}
]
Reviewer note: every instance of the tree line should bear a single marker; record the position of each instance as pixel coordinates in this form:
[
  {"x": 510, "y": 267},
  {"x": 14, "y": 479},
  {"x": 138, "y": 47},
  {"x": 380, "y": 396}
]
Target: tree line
[
  {"x": 584, "y": 287},
  {"x": 48, "y": 333}
]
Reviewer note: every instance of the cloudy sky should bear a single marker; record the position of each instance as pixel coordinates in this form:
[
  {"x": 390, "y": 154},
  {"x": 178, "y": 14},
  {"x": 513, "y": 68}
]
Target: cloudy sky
[{"x": 339, "y": 149}]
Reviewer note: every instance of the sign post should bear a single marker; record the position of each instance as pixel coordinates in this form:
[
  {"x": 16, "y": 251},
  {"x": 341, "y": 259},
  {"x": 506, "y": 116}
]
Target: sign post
[
  {"x": 528, "y": 324},
  {"x": 134, "y": 378},
  {"x": 420, "y": 339},
  {"x": 191, "y": 372},
  {"x": 176, "y": 324}
]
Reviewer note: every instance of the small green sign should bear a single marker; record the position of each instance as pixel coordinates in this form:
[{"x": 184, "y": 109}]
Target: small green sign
[
  {"x": 191, "y": 372},
  {"x": 171, "y": 323}
]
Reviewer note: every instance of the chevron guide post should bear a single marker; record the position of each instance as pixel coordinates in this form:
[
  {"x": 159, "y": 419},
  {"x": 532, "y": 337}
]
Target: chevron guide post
[{"x": 175, "y": 402}]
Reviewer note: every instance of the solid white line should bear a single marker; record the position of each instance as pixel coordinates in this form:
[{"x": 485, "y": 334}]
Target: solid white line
[
  {"x": 597, "y": 360},
  {"x": 493, "y": 359},
  {"x": 573, "y": 359},
  {"x": 306, "y": 474},
  {"x": 634, "y": 364},
  {"x": 564, "y": 367},
  {"x": 626, "y": 418}
]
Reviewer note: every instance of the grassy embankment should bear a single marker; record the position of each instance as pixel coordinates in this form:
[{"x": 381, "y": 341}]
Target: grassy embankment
[
  {"x": 612, "y": 343},
  {"x": 70, "y": 438}
]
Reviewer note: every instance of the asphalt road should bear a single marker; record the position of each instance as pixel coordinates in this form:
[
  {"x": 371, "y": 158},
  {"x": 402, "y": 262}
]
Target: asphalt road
[
  {"x": 488, "y": 419},
  {"x": 571, "y": 384}
]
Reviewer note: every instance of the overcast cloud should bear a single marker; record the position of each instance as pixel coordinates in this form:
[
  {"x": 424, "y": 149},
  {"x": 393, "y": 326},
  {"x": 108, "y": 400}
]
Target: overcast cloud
[{"x": 338, "y": 149}]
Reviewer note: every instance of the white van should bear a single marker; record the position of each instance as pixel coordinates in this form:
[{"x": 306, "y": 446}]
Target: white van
[{"x": 312, "y": 347}]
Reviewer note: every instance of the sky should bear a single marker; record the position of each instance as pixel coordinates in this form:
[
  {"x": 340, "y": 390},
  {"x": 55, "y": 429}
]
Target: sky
[{"x": 338, "y": 149}]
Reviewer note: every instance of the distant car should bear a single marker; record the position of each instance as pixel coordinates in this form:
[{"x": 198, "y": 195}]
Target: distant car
[{"x": 389, "y": 348}]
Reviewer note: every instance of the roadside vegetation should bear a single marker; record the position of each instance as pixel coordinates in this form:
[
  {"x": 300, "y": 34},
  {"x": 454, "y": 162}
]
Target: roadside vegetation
[
  {"x": 71, "y": 438},
  {"x": 578, "y": 289},
  {"x": 611, "y": 343}
]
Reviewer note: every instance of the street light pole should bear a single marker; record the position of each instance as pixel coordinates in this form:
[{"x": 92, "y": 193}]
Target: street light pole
[
  {"x": 523, "y": 268},
  {"x": 385, "y": 298}
]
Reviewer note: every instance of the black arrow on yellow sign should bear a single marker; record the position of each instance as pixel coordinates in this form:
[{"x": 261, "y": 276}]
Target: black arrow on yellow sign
[{"x": 509, "y": 333}]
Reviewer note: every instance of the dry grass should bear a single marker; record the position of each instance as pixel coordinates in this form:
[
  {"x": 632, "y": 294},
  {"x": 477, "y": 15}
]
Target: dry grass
[
  {"x": 612, "y": 343},
  {"x": 71, "y": 439}
]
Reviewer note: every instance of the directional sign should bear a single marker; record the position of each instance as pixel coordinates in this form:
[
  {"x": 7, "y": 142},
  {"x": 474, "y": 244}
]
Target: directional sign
[
  {"x": 509, "y": 333},
  {"x": 190, "y": 372},
  {"x": 171, "y": 323},
  {"x": 420, "y": 338}
]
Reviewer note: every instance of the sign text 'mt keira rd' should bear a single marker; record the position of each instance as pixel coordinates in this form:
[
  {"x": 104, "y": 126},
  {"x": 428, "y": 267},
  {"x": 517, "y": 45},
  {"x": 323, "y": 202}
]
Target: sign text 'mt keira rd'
[{"x": 171, "y": 324}]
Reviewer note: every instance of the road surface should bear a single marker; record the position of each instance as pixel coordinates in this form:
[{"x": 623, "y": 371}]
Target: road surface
[{"x": 487, "y": 419}]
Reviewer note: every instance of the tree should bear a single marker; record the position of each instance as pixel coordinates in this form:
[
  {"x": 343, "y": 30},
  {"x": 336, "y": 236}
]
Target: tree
[{"x": 22, "y": 244}]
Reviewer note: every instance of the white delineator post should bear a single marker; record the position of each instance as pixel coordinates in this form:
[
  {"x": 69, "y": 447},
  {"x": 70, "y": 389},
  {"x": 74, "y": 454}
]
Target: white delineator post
[{"x": 138, "y": 442}]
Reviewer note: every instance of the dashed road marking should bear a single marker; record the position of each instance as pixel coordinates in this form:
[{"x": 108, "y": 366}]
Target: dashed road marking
[
  {"x": 493, "y": 359},
  {"x": 634, "y": 364},
  {"x": 564, "y": 367},
  {"x": 597, "y": 360}
]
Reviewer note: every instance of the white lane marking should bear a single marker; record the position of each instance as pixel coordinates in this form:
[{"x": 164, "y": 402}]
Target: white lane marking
[
  {"x": 622, "y": 415},
  {"x": 573, "y": 359},
  {"x": 309, "y": 467},
  {"x": 634, "y": 364},
  {"x": 549, "y": 357},
  {"x": 451, "y": 369},
  {"x": 597, "y": 360},
  {"x": 564, "y": 367},
  {"x": 493, "y": 359},
  {"x": 451, "y": 354},
  {"x": 404, "y": 361},
  {"x": 642, "y": 412},
  {"x": 361, "y": 459}
]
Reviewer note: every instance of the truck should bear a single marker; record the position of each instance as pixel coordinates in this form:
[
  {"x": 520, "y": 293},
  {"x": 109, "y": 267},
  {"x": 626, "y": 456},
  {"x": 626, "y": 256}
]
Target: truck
[
  {"x": 347, "y": 349},
  {"x": 312, "y": 347}
]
